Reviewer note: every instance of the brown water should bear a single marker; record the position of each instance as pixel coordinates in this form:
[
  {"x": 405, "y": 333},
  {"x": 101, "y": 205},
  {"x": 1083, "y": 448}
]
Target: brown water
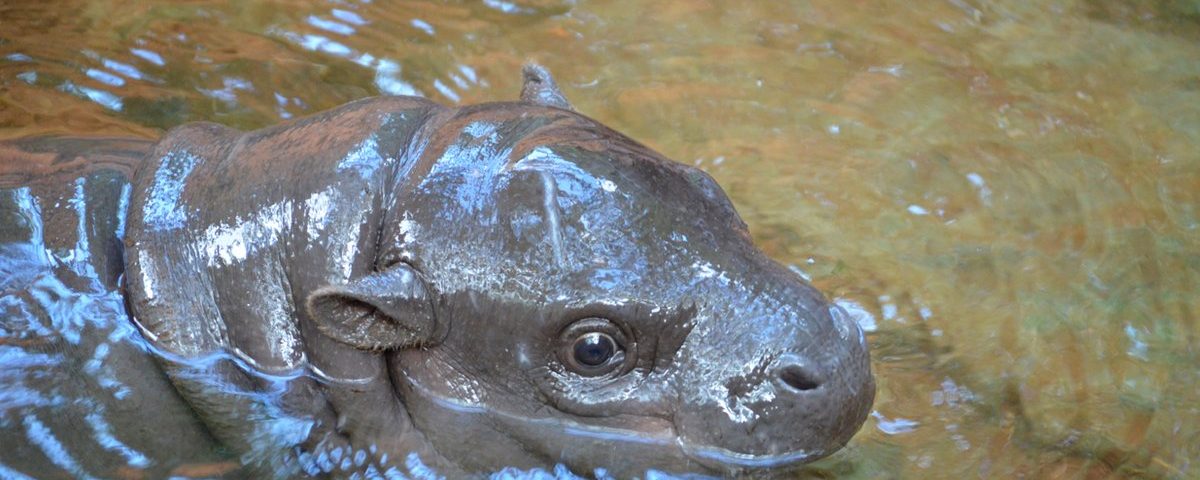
[{"x": 1008, "y": 194}]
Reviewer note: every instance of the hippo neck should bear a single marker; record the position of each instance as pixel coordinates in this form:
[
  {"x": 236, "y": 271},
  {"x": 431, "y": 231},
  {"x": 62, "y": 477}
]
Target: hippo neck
[{"x": 229, "y": 232}]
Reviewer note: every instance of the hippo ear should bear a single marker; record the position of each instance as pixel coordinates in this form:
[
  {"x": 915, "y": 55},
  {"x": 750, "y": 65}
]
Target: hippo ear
[
  {"x": 380, "y": 311},
  {"x": 539, "y": 88}
]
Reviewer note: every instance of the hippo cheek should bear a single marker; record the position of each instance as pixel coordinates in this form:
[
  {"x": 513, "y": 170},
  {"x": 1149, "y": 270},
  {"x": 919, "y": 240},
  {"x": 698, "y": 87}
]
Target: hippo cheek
[{"x": 505, "y": 435}]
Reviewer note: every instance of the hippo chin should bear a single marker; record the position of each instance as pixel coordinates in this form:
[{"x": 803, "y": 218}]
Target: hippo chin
[{"x": 396, "y": 289}]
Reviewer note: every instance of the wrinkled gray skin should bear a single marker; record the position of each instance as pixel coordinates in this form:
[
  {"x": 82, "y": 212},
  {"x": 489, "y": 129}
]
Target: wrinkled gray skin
[{"x": 394, "y": 286}]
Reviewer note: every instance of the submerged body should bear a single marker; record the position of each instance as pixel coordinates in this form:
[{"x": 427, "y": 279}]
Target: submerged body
[
  {"x": 80, "y": 392},
  {"x": 360, "y": 291}
]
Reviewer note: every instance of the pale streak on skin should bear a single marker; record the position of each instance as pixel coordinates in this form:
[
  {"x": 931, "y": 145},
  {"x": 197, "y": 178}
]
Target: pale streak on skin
[
  {"x": 320, "y": 374},
  {"x": 229, "y": 244},
  {"x": 162, "y": 211},
  {"x": 149, "y": 273},
  {"x": 243, "y": 356},
  {"x": 548, "y": 160},
  {"x": 317, "y": 207},
  {"x": 550, "y": 203},
  {"x": 123, "y": 209},
  {"x": 79, "y": 260}
]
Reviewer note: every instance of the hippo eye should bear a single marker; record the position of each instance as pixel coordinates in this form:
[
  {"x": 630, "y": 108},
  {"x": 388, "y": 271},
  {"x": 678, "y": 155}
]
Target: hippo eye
[{"x": 593, "y": 347}]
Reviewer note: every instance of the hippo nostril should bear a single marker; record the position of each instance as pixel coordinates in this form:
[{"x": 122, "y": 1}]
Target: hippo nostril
[{"x": 798, "y": 378}]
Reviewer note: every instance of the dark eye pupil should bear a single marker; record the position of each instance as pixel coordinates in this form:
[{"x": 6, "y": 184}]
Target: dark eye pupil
[{"x": 593, "y": 349}]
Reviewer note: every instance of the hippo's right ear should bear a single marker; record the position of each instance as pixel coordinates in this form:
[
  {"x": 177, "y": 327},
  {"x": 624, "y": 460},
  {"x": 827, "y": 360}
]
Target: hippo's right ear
[{"x": 380, "y": 311}]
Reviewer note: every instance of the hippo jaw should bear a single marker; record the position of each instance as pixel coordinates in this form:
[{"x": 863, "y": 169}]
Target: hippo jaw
[
  {"x": 590, "y": 447},
  {"x": 627, "y": 446}
]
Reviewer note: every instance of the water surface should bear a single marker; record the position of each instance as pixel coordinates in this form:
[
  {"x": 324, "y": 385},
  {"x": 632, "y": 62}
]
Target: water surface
[{"x": 1007, "y": 194}]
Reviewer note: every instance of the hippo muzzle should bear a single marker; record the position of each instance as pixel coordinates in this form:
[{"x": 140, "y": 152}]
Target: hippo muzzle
[{"x": 796, "y": 390}]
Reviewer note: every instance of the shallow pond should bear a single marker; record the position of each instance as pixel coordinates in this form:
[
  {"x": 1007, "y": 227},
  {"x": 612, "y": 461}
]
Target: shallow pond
[{"x": 1006, "y": 194}]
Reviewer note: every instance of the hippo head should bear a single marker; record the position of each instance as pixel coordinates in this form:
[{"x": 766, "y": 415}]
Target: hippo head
[{"x": 560, "y": 293}]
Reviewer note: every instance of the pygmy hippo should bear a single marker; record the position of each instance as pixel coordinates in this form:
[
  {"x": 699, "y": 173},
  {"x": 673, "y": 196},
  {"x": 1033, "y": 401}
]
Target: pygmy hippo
[{"x": 397, "y": 289}]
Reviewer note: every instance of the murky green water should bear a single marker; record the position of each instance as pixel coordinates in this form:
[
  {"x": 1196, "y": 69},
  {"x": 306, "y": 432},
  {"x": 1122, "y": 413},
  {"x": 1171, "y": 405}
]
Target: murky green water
[{"x": 1009, "y": 193}]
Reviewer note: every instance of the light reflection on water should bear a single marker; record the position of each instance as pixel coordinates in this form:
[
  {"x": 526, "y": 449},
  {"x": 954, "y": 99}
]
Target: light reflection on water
[{"x": 1008, "y": 193}]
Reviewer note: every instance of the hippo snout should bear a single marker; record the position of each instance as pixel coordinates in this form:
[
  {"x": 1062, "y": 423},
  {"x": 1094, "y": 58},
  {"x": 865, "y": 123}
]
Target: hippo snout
[{"x": 796, "y": 393}]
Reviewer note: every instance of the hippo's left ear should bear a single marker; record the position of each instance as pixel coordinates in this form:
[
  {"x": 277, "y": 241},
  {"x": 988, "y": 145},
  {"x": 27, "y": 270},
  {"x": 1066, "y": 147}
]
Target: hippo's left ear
[{"x": 380, "y": 311}]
